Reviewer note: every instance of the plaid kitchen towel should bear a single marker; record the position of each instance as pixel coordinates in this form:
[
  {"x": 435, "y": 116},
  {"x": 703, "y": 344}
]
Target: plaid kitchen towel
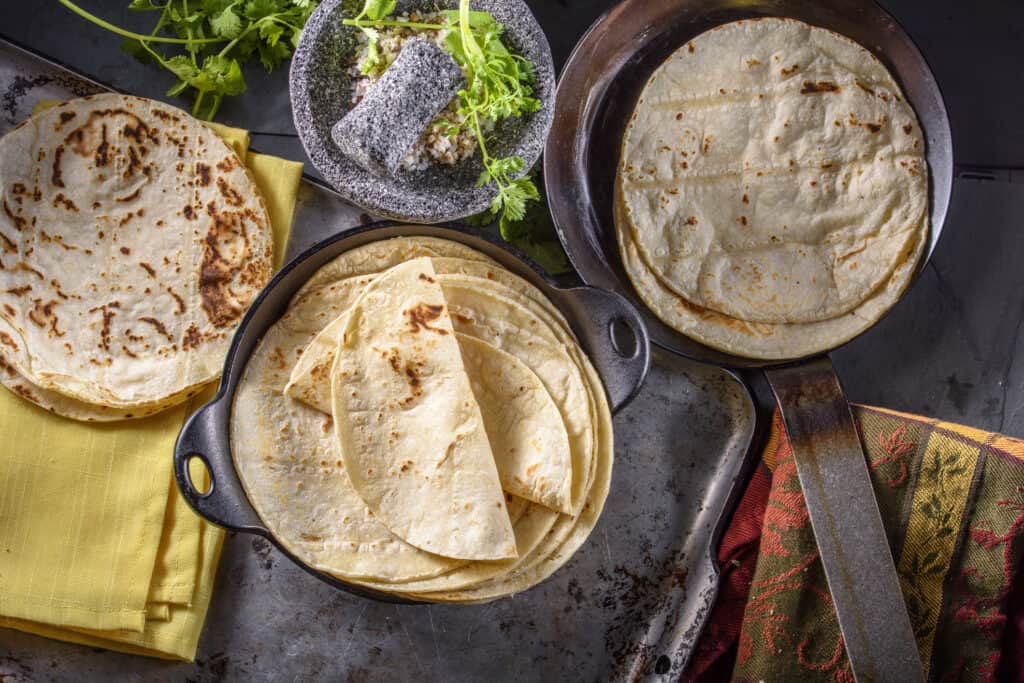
[
  {"x": 96, "y": 544},
  {"x": 952, "y": 501}
]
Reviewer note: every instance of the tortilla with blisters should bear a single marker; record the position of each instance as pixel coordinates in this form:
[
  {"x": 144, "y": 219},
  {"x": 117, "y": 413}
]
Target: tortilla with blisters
[
  {"x": 490, "y": 310},
  {"x": 530, "y": 335},
  {"x": 169, "y": 239},
  {"x": 409, "y": 430},
  {"x": 773, "y": 172},
  {"x": 765, "y": 341},
  {"x": 523, "y": 424},
  {"x": 287, "y": 458}
]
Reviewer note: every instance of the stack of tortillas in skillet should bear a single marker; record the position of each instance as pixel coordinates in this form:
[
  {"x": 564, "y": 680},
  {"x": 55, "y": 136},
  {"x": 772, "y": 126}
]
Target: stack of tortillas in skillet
[
  {"x": 132, "y": 240},
  {"x": 772, "y": 198},
  {"x": 421, "y": 421}
]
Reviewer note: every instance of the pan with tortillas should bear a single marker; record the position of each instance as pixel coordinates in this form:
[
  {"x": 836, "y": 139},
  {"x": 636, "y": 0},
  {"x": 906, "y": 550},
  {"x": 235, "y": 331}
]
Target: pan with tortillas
[
  {"x": 764, "y": 180},
  {"x": 414, "y": 413},
  {"x": 765, "y": 189}
]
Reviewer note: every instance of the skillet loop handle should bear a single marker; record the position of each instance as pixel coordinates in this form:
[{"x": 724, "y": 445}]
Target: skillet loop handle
[
  {"x": 615, "y": 339},
  {"x": 223, "y": 502}
]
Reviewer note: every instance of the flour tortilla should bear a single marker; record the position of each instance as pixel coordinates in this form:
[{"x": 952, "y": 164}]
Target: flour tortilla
[
  {"x": 545, "y": 539},
  {"x": 410, "y": 432},
  {"x": 487, "y": 318},
  {"x": 288, "y": 461},
  {"x": 478, "y": 575},
  {"x": 523, "y": 424},
  {"x": 169, "y": 238},
  {"x": 773, "y": 172},
  {"x": 376, "y": 257},
  {"x": 568, "y": 534},
  {"x": 330, "y": 301},
  {"x": 765, "y": 341},
  {"x": 495, "y": 305},
  {"x": 491, "y": 311},
  {"x": 69, "y": 407}
]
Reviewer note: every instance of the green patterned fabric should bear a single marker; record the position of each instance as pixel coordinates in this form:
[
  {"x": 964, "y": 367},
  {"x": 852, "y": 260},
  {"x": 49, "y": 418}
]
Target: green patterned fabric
[{"x": 952, "y": 502}]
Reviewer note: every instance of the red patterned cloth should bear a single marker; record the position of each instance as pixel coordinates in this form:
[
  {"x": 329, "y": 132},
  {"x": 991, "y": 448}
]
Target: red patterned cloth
[
  {"x": 737, "y": 556},
  {"x": 952, "y": 501}
]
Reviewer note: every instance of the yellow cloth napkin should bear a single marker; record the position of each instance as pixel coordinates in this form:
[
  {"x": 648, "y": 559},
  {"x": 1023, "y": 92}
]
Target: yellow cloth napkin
[{"x": 96, "y": 544}]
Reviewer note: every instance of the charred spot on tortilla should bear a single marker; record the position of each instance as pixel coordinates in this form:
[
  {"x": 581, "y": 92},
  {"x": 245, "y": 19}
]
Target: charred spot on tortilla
[
  {"x": 810, "y": 87},
  {"x": 230, "y": 194},
  {"x": 203, "y": 173},
  {"x": 422, "y": 315},
  {"x": 225, "y": 255}
]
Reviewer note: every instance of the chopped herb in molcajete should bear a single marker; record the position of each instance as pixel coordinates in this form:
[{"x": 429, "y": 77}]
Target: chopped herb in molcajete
[{"x": 498, "y": 85}]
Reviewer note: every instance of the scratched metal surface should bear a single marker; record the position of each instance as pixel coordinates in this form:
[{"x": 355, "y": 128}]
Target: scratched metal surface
[{"x": 949, "y": 349}]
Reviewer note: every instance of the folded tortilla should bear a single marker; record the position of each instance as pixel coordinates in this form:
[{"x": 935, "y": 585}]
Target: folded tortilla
[{"x": 291, "y": 467}]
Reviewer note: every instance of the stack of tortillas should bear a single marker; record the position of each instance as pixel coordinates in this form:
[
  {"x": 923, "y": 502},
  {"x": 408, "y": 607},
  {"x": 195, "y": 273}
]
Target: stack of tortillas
[
  {"x": 423, "y": 422},
  {"x": 132, "y": 240},
  {"x": 772, "y": 198}
]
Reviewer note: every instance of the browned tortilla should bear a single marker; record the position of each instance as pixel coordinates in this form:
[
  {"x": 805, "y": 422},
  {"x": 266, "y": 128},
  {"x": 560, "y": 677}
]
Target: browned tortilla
[{"x": 132, "y": 241}]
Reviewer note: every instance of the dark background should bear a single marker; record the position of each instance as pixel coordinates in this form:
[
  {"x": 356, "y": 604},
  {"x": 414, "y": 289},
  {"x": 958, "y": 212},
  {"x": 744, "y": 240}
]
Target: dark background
[
  {"x": 976, "y": 50},
  {"x": 949, "y": 348}
]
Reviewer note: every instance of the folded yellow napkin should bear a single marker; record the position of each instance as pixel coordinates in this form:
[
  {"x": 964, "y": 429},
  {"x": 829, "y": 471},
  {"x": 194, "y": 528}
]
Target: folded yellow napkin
[{"x": 96, "y": 544}]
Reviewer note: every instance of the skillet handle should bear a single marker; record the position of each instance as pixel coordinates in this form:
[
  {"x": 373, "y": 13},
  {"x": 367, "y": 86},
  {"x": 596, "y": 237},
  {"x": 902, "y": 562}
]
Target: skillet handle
[
  {"x": 614, "y": 337},
  {"x": 847, "y": 525},
  {"x": 669, "y": 636},
  {"x": 224, "y": 503}
]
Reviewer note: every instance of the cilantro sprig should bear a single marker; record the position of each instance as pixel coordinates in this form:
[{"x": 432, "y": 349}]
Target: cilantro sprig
[
  {"x": 534, "y": 233},
  {"x": 217, "y": 37},
  {"x": 499, "y": 84}
]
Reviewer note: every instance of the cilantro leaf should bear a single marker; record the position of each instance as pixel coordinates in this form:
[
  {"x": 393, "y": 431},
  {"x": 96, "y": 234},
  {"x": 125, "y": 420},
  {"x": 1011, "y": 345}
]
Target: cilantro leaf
[
  {"x": 534, "y": 233},
  {"x": 227, "y": 24},
  {"x": 182, "y": 67},
  {"x": 378, "y": 9},
  {"x": 258, "y": 9},
  {"x": 215, "y": 37},
  {"x": 272, "y": 54},
  {"x": 221, "y": 75}
]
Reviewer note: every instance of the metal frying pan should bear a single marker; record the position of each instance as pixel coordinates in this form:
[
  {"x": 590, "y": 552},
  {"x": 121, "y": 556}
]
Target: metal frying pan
[{"x": 598, "y": 90}]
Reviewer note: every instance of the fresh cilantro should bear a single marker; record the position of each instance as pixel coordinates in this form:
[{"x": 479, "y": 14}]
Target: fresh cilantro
[
  {"x": 379, "y": 9},
  {"x": 499, "y": 85},
  {"x": 534, "y": 233},
  {"x": 226, "y": 24},
  {"x": 217, "y": 37}
]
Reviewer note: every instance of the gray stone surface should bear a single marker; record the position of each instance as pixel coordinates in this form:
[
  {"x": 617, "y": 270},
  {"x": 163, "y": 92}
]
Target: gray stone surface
[
  {"x": 950, "y": 349},
  {"x": 378, "y": 132}
]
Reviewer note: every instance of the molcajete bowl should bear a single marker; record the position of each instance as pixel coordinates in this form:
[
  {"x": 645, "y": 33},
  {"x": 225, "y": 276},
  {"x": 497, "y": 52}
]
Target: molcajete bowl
[{"x": 321, "y": 86}]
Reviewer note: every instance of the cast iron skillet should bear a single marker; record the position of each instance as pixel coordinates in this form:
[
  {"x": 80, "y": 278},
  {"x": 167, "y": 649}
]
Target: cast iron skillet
[
  {"x": 598, "y": 90},
  {"x": 609, "y": 329}
]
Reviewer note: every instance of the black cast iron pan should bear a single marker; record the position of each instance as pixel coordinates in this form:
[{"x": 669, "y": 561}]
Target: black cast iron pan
[
  {"x": 598, "y": 90},
  {"x": 609, "y": 329}
]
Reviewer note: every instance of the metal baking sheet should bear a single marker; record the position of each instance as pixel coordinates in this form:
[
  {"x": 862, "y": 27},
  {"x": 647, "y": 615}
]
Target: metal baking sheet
[{"x": 679, "y": 447}]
